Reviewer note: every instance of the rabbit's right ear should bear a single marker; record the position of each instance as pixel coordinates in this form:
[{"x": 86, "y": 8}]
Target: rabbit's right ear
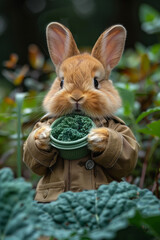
[
  {"x": 61, "y": 44},
  {"x": 109, "y": 47}
]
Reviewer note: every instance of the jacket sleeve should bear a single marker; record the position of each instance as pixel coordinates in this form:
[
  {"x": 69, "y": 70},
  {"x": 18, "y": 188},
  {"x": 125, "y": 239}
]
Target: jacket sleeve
[
  {"x": 38, "y": 160},
  {"x": 120, "y": 156}
]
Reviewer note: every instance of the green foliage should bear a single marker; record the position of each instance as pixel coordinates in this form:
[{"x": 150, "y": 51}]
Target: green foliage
[
  {"x": 136, "y": 78},
  {"x": 20, "y": 219},
  {"x": 27, "y": 80},
  {"x": 152, "y": 129},
  {"x": 93, "y": 215},
  {"x": 128, "y": 99},
  {"x": 72, "y": 127},
  {"x": 150, "y": 19},
  {"x": 9, "y": 125},
  {"x": 116, "y": 211},
  {"x": 146, "y": 113},
  {"x": 100, "y": 214},
  {"x": 151, "y": 222},
  {"x": 19, "y": 100},
  {"x": 137, "y": 81}
]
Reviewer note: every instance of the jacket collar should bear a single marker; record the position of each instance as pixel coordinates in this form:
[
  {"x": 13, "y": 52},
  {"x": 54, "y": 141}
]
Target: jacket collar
[{"x": 116, "y": 119}]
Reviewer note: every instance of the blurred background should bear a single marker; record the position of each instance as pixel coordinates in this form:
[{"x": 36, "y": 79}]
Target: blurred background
[
  {"x": 25, "y": 67},
  {"x": 23, "y": 22}
]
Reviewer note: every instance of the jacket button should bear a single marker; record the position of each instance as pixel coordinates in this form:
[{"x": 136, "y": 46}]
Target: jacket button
[
  {"x": 45, "y": 194},
  {"x": 89, "y": 164}
]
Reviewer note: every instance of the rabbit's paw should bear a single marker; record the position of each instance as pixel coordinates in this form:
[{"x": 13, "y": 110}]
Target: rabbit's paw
[
  {"x": 97, "y": 139},
  {"x": 42, "y": 138}
]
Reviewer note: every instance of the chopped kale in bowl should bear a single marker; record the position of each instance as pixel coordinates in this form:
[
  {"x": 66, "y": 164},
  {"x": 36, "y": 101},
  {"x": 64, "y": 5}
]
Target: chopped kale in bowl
[
  {"x": 72, "y": 128},
  {"x": 69, "y": 136}
]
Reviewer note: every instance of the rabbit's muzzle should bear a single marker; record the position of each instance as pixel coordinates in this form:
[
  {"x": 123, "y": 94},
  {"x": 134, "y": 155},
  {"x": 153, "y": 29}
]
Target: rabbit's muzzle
[{"x": 77, "y": 99}]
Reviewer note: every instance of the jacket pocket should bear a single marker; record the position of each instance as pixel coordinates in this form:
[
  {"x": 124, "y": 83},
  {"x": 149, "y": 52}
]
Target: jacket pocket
[{"x": 49, "y": 192}]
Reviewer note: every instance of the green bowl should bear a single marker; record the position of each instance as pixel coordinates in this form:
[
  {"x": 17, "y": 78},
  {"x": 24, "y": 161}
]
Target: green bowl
[{"x": 70, "y": 150}]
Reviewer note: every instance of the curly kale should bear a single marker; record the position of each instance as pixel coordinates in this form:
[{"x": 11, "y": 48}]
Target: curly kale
[
  {"x": 72, "y": 127},
  {"x": 113, "y": 211},
  {"x": 70, "y": 134}
]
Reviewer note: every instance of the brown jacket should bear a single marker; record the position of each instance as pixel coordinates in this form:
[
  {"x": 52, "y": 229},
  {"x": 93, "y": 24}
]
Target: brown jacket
[{"x": 59, "y": 175}]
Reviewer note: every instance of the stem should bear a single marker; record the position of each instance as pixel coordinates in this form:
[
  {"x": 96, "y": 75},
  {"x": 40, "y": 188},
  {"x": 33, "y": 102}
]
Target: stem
[
  {"x": 147, "y": 160},
  {"x": 143, "y": 174},
  {"x": 135, "y": 128},
  {"x": 19, "y": 101},
  {"x": 154, "y": 146}
]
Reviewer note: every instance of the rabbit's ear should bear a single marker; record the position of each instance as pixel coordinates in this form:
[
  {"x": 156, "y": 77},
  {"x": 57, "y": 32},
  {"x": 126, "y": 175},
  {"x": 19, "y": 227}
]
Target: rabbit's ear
[
  {"x": 109, "y": 47},
  {"x": 61, "y": 44}
]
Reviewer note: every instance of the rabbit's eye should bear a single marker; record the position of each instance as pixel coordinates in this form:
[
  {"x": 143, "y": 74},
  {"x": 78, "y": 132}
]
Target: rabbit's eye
[
  {"x": 95, "y": 82},
  {"x": 61, "y": 83}
]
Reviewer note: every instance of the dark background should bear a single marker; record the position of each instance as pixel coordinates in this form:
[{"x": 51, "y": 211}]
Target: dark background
[{"x": 23, "y": 22}]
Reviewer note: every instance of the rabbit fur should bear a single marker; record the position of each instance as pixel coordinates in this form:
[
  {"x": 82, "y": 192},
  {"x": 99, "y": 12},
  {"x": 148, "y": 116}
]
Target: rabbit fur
[{"x": 82, "y": 83}]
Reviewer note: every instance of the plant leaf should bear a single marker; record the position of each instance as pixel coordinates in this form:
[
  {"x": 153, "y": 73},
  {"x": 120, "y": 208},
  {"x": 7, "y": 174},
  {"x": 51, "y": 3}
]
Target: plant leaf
[
  {"x": 145, "y": 65},
  {"x": 128, "y": 100},
  {"x": 151, "y": 222},
  {"x": 93, "y": 214},
  {"x": 146, "y": 113},
  {"x": 147, "y": 13},
  {"x": 152, "y": 129},
  {"x": 150, "y": 19}
]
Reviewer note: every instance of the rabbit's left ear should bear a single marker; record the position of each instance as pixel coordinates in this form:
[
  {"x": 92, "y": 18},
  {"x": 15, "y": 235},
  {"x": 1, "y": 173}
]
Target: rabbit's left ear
[
  {"x": 61, "y": 44},
  {"x": 109, "y": 47}
]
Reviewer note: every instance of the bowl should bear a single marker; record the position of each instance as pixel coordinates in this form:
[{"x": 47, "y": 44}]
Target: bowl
[{"x": 71, "y": 150}]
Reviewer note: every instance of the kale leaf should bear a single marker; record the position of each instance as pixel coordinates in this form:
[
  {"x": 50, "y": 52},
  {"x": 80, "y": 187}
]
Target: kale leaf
[
  {"x": 107, "y": 213},
  {"x": 72, "y": 127}
]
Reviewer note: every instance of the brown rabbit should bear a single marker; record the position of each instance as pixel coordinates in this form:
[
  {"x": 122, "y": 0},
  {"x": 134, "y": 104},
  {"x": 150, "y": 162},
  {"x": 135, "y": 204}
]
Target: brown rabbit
[{"x": 82, "y": 85}]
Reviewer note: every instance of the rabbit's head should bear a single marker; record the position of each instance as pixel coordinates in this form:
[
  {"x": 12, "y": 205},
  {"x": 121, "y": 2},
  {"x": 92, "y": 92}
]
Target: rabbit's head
[{"x": 82, "y": 82}]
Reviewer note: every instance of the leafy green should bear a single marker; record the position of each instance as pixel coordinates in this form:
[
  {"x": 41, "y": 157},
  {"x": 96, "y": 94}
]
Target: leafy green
[
  {"x": 150, "y": 19},
  {"x": 128, "y": 100},
  {"x": 152, "y": 222},
  {"x": 152, "y": 129},
  {"x": 146, "y": 113},
  {"x": 103, "y": 212},
  {"x": 72, "y": 127},
  {"x": 19, "y": 218},
  {"x": 94, "y": 214},
  {"x": 147, "y": 13}
]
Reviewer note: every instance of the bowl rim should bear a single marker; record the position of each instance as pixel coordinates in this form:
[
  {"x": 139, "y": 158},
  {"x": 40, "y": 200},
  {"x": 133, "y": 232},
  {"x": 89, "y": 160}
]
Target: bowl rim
[
  {"x": 70, "y": 142},
  {"x": 69, "y": 147}
]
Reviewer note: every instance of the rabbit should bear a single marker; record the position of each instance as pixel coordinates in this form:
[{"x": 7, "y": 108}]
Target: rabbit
[{"x": 82, "y": 84}]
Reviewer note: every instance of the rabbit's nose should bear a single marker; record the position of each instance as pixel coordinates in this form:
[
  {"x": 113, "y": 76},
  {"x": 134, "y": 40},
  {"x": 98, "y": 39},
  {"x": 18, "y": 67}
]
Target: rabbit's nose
[
  {"x": 76, "y": 96},
  {"x": 76, "y": 99}
]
